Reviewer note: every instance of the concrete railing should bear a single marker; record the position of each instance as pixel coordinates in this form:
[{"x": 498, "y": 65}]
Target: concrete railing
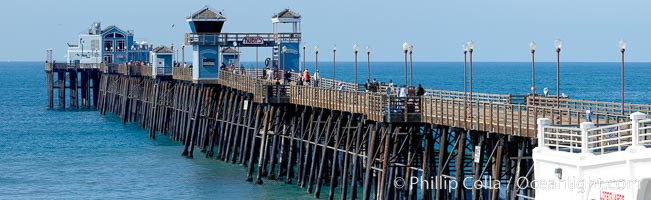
[
  {"x": 595, "y": 139},
  {"x": 596, "y": 107}
]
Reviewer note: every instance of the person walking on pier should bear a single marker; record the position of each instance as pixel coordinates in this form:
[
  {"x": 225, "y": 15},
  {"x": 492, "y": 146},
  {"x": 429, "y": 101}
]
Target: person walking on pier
[
  {"x": 376, "y": 85},
  {"x": 367, "y": 86},
  {"x": 270, "y": 74},
  {"x": 402, "y": 95},
  {"x": 299, "y": 80},
  {"x": 420, "y": 91},
  {"x": 306, "y": 76},
  {"x": 316, "y": 78},
  {"x": 287, "y": 77},
  {"x": 222, "y": 66}
]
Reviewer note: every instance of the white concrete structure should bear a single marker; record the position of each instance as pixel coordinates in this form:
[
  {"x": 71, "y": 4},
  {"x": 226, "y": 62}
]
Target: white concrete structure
[{"x": 594, "y": 162}]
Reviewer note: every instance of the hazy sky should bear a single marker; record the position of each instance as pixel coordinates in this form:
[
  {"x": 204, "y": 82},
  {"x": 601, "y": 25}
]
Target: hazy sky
[{"x": 501, "y": 29}]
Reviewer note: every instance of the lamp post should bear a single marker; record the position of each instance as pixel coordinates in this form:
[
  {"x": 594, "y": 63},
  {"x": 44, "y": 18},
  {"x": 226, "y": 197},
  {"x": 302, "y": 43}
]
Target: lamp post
[
  {"x": 532, "y": 47},
  {"x": 183, "y": 56},
  {"x": 334, "y": 62},
  {"x": 411, "y": 65},
  {"x": 558, "y": 43},
  {"x": 355, "y": 49},
  {"x": 368, "y": 62},
  {"x": 316, "y": 55},
  {"x": 133, "y": 52},
  {"x": 284, "y": 54},
  {"x": 236, "y": 54},
  {"x": 465, "y": 94},
  {"x": 304, "y": 47},
  {"x": 622, "y": 48},
  {"x": 256, "y": 63},
  {"x": 471, "y": 48},
  {"x": 405, "y": 48},
  {"x": 138, "y": 50},
  {"x": 81, "y": 43}
]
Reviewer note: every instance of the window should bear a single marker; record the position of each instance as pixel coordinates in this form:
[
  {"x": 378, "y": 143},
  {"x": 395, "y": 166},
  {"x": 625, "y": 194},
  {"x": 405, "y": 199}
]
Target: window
[
  {"x": 94, "y": 44},
  {"x": 108, "y": 46},
  {"x": 120, "y": 45},
  {"x": 208, "y": 62},
  {"x": 114, "y": 35}
]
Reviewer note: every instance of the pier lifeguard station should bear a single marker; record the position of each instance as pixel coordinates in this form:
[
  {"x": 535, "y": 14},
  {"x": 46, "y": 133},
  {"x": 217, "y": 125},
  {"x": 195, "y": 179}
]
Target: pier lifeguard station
[{"x": 211, "y": 47}]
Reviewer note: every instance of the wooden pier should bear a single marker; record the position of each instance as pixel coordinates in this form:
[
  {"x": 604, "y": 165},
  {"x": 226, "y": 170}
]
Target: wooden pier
[{"x": 357, "y": 144}]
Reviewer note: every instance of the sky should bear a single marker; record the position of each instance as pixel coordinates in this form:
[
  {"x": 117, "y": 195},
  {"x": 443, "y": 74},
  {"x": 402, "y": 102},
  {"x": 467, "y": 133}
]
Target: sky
[{"x": 501, "y": 29}]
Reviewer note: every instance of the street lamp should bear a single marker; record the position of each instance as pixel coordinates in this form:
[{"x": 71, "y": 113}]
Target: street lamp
[
  {"x": 532, "y": 47},
  {"x": 133, "y": 52},
  {"x": 405, "y": 47},
  {"x": 471, "y": 48},
  {"x": 411, "y": 65},
  {"x": 356, "y": 49},
  {"x": 558, "y": 43},
  {"x": 284, "y": 56},
  {"x": 304, "y": 57},
  {"x": 465, "y": 94},
  {"x": 237, "y": 54},
  {"x": 334, "y": 62},
  {"x": 81, "y": 43},
  {"x": 316, "y": 55},
  {"x": 368, "y": 56},
  {"x": 622, "y": 48}
]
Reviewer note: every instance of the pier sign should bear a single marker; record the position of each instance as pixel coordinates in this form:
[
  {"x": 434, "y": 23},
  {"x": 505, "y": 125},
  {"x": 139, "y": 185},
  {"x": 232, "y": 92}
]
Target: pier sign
[
  {"x": 253, "y": 40},
  {"x": 477, "y": 154}
]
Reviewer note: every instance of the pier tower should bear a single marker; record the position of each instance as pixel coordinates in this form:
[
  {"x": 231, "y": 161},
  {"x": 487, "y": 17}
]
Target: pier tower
[
  {"x": 287, "y": 34},
  {"x": 206, "y": 26}
]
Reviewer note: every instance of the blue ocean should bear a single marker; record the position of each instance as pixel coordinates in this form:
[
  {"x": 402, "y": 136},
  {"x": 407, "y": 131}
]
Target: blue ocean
[{"x": 80, "y": 154}]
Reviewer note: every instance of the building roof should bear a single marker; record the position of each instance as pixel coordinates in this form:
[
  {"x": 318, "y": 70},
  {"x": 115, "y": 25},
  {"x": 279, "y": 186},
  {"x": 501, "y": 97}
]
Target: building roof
[
  {"x": 162, "y": 49},
  {"x": 287, "y": 13},
  {"x": 108, "y": 28},
  {"x": 207, "y": 13},
  {"x": 229, "y": 50}
]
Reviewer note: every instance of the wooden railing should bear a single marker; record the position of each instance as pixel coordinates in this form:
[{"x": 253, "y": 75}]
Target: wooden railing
[
  {"x": 123, "y": 69},
  {"x": 49, "y": 66},
  {"x": 485, "y": 112},
  {"x": 109, "y": 68},
  {"x": 145, "y": 70},
  {"x": 182, "y": 73},
  {"x": 370, "y": 104}
]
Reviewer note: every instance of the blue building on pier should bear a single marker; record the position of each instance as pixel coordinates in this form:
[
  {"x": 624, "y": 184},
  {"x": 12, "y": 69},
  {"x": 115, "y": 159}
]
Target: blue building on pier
[{"x": 108, "y": 45}]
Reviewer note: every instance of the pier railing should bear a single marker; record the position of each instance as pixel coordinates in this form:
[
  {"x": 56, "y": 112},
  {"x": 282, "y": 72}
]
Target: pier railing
[
  {"x": 50, "y": 66},
  {"x": 163, "y": 71},
  {"x": 109, "y": 68},
  {"x": 486, "y": 112},
  {"x": 182, "y": 73},
  {"x": 594, "y": 138},
  {"x": 145, "y": 70},
  {"x": 596, "y": 107},
  {"x": 226, "y": 39}
]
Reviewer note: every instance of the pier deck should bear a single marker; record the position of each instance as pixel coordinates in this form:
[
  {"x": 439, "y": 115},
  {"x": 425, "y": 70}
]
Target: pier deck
[{"x": 357, "y": 142}]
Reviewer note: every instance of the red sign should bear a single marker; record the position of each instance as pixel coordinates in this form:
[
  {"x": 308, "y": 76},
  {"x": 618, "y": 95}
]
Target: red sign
[
  {"x": 611, "y": 196},
  {"x": 253, "y": 40}
]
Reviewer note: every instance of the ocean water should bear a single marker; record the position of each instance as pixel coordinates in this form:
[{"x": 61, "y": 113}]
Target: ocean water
[{"x": 73, "y": 154}]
